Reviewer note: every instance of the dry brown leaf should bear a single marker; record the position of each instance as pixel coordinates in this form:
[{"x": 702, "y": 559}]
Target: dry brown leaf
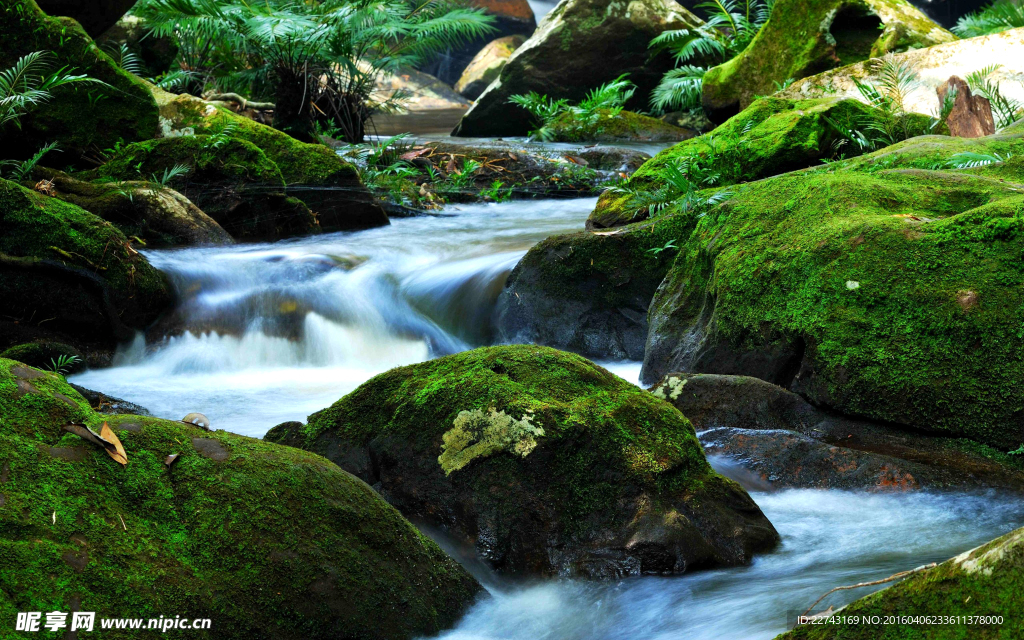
[
  {"x": 451, "y": 166},
  {"x": 171, "y": 459},
  {"x": 85, "y": 433},
  {"x": 117, "y": 452},
  {"x": 198, "y": 420},
  {"x": 412, "y": 155}
]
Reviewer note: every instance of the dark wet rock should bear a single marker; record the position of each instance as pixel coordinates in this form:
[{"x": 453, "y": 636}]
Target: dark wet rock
[
  {"x": 70, "y": 276},
  {"x": 95, "y": 16},
  {"x": 157, "y": 53},
  {"x": 790, "y": 443},
  {"x": 588, "y": 292},
  {"x": 102, "y": 403},
  {"x": 804, "y": 38},
  {"x": 971, "y": 115},
  {"x": 549, "y": 464},
  {"x": 580, "y": 45},
  {"x": 984, "y": 581},
  {"x": 238, "y": 530}
]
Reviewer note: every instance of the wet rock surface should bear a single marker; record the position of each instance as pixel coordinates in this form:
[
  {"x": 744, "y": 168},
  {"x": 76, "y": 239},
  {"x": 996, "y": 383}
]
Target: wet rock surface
[{"x": 790, "y": 443}]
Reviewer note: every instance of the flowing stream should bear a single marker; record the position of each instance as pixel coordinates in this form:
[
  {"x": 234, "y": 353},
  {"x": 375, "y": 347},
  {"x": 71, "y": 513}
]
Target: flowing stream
[{"x": 272, "y": 332}]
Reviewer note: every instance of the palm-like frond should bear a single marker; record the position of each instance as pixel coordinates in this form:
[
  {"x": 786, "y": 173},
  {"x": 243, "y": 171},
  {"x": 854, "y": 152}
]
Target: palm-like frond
[
  {"x": 680, "y": 88},
  {"x": 30, "y": 82},
  {"x": 1004, "y": 110},
  {"x": 998, "y": 16},
  {"x": 972, "y": 160}
]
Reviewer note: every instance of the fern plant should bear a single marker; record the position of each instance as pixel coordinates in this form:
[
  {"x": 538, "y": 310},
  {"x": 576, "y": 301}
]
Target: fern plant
[
  {"x": 169, "y": 174},
  {"x": 21, "y": 169},
  {"x": 30, "y": 82},
  {"x": 682, "y": 185},
  {"x": 605, "y": 101},
  {"x": 318, "y": 59},
  {"x": 1004, "y": 110},
  {"x": 973, "y": 160},
  {"x": 729, "y": 28},
  {"x": 998, "y": 16}
]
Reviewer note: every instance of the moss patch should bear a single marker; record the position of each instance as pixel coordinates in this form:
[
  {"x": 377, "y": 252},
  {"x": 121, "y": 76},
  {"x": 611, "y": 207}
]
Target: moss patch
[
  {"x": 266, "y": 541},
  {"x": 81, "y": 117},
  {"x": 607, "y": 125}
]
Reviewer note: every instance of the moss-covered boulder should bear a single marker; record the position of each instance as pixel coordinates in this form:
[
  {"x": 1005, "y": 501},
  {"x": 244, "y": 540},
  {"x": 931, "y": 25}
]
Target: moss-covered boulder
[
  {"x": 312, "y": 173},
  {"x": 580, "y": 45},
  {"x": 69, "y": 274},
  {"x": 805, "y": 37},
  {"x": 933, "y": 66},
  {"x": 230, "y": 179},
  {"x": 608, "y": 125},
  {"x": 80, "y": 117},
  {"x": 266, "y": 541},
  {"x": 95, "y": 16},
  {"x": 889, "y": 293},
  {"x": 156, "y": 53},
  {"x": 45, "y": 354},
  {"x": 769, "y": 137},
  {"x": 589, "y": 293},
  {"x": 485, "y": 66},
  {"x": 981, "y": 584},
  {"x": 156, "y": 215},
  {"x": 549, "y": 464}
]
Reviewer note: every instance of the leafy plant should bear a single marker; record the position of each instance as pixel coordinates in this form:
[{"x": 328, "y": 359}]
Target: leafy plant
[
  {"x": 222, "y": 137},
  {"x": 657, "y": 251},
  {"x": 1004, "y": 110},
  {"x": 684, "y": 182},
  {"x": 497, "y": 192},
  {"x": 21, "y": 170},
  {"x": 63, "y": 363},
  {"x": 1017, "y": 452},
  {"x": 606, "y": 100},
  {"x": 729, "y": 28},
  {"x": 998, "y": 16},
  {"x": 30, "y": 82},
  {"x": 319, "y": 59},
  {"x": 169, "y": 174},
  {"x": 125, "y": 58},
  {"x": 972, "y": 160}
]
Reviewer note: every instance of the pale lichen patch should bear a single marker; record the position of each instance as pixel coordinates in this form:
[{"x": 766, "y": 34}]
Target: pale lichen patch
[
  {"x": 477, "y": 434},
  {"x": 674, "y": 386}
]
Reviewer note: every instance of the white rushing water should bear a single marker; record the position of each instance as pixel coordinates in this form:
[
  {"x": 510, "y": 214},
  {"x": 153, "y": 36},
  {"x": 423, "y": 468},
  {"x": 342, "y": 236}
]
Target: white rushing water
[
  {"x": 277, "y": 331},
  {"x": 829, "y": 538},
  {"x": 272, "y": 332}
]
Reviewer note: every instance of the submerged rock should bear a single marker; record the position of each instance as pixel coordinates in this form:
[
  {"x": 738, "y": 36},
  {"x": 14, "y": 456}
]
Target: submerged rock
[
  {"x": 769, "y": 137},
  {"x": 579, "y": 46},
  {"x": 266, "y": 541},
  {"x": 804, "y": 38},
  {"x": 67, "y": 274},
  {"x": 549, "y": 464},
  {"x": 81, "y": 118},
  {"x": 933, "y": 66},
  {"x": 485, "y": 66},
  {"x": 982, "y": 584},
  {"x": 790, "y": 443},
  {"x": 890, "y": 294},
  {"x": 159, "y": 216}
]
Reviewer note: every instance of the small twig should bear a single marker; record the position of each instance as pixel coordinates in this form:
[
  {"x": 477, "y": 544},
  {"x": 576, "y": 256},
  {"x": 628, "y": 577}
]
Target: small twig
[
  {"x": 122, "y": 522},
  {"x": 895, "y": 576}
]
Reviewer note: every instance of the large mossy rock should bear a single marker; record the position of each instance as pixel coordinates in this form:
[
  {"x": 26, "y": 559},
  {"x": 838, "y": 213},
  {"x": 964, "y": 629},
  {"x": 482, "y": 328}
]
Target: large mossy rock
[
  {"x": 67, "y": 272},
  {"x": 266, "y": 541},
  {"x": 313, "y": 173},
  {"x": 230, "y": 179},
  {"x": 549, "y": 464},
  {"x": 879, "y": 287},
  {"x": 159, "y": 216},
  {"x": 579, "y": 46},
  {"x": 933, "y": 67},
  {"x": 769, "y": 137},
  {"x": 805, "y": 37},
  {"x": 485, "y": 66},
  {"x": 984, "y": 582},
  {"x": 589, "y": 293},
  {"x": 81, "y": 118}
]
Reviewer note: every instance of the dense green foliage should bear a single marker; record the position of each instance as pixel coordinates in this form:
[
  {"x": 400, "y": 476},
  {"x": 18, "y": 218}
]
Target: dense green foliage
[
  {"x": 999, "y": 16},
  {"x": 318, "y": 60},
  {"x": 267, "y": 541}
]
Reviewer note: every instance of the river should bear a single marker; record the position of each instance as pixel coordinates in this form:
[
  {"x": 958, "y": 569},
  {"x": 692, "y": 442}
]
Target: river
[{"x": 277, "y": 331}]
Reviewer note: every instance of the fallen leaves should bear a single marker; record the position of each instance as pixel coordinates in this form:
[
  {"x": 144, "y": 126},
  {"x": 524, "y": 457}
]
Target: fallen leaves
[
  {"x": 197, "y": 419},
  {"x": 105, "y": 439}
]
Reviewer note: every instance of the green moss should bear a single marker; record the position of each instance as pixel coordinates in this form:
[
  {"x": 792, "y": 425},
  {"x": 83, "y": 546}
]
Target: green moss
[
  {"x": 804, "y": 37},
  {"x": 44, "y": 354},
  {"x": 606, "y": 125},
  {"x": 771, "y": 136},
  {"x": 81, "y": 117},
  {"x": 267, "y": 541},
  {"x": 49, "y": 241},
  {"x": 986, "y": 581},
  {"x": 904, "y": 285}
]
